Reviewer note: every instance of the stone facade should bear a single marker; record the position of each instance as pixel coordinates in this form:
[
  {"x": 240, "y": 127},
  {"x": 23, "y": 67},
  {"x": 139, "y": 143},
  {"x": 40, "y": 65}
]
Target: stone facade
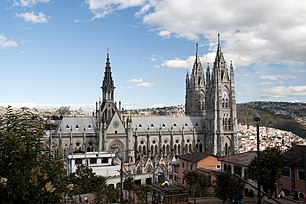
[{"x": 147, "y": 143}]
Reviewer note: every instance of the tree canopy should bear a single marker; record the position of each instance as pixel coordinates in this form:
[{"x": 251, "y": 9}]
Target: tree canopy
[
  {"x": 228, "y": 186},
  {"x": 30, "y": 173},
  {"x": 197, "y": 183},
  {"x": 272, "y": 160}
]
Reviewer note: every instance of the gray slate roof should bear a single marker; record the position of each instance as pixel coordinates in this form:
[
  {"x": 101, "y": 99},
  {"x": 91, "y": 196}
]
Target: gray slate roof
[
  {"x": 77, "y": 125},
  {"x": 154, "y": 123}
]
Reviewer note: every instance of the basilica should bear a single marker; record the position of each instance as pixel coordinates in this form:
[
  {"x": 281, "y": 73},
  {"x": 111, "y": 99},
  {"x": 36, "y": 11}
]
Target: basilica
[{"x": 144, "y": 142}]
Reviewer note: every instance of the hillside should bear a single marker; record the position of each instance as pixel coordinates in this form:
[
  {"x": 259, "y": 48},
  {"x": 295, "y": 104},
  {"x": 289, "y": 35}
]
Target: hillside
[{"x": 281, "y": 115}]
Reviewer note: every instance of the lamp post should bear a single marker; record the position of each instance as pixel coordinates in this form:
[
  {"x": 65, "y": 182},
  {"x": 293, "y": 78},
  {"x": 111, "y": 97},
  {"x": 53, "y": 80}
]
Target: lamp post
[
  {"x": 256, "y": 118},
  {"x": 121, "y": 181}
]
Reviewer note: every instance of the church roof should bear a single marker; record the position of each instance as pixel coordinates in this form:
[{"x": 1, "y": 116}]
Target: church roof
[
  {"x": 154, "y": 123},
  {"x": 77, "y": 125},
  {"x": 243, "y": 159},
  {"x": 195, "y": 156}
]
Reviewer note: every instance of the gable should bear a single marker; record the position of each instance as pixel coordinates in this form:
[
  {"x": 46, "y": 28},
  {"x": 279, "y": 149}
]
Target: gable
[{"x": 115, "y": 126}]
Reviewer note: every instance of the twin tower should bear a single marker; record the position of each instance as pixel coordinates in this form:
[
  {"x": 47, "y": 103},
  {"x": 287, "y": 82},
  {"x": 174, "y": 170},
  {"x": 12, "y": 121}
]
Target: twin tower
[{"x": 212, "y": 95}]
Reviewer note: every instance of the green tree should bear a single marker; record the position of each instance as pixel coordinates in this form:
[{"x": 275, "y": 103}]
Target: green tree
[
  {"x": 228, "y": 186},
  {"x": 197, "y": 183},
  {"x": 84, "y": 180},
  {"x": 29, "y": 173},
  {"x": 272, "y": 160},
  {"x": 64, "y": 110}
]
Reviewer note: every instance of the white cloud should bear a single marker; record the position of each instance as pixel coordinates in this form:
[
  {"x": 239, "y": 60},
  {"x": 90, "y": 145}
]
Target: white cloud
[
  {"x": 164, "y": 33},
  {"x": 262, "y": 31},
  {"x": 135, "y": 80},
  {"x": 283, "y": 91},
  {"x": 34, "y": 18},
  {"x": 5, "y": 43},
  {"x": 252, "y": 31},
  {"x": 139, "y": 83},
  {"x": 28, "y": 3},
  {"x": 100, "y": 9},
  {"x": 276, "y": 77},
  {"x": 144, "y": 84}
]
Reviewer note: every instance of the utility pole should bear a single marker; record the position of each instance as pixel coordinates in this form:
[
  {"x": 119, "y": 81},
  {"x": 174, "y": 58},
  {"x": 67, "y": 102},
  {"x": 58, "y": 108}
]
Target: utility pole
[{"x": 256, "y": 118}]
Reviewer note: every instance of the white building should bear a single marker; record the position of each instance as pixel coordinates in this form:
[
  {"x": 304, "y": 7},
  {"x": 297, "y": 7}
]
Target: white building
[{"x": 102, "y": 163}]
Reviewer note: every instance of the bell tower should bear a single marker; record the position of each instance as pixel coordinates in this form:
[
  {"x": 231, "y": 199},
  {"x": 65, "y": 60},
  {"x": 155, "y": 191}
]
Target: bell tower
[
  {"x": 195, "y": 89},
  {"x": 222, "y": 113}
]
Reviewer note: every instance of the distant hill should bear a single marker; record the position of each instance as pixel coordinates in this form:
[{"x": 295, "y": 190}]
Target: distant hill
[{"x": 280, "y": 115}]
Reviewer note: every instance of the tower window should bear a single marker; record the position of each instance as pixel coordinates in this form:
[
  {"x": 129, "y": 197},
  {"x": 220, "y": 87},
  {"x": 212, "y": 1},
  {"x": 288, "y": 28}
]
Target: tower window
[
  {"x": 140, "y": 125},
  {"x": 89, "y": 126}
]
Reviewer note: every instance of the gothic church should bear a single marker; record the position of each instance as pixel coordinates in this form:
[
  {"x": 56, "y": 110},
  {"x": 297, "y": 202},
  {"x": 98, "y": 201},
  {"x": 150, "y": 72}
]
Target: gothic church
[{"x": 142, "y": 142}]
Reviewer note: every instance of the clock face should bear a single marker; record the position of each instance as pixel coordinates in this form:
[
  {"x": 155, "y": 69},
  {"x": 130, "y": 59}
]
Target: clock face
[{"x": 116, "y": 124}]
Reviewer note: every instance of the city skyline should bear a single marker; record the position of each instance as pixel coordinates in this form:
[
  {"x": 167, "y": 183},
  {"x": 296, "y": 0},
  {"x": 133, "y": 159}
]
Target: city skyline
[{"x": 52, "y": 53}]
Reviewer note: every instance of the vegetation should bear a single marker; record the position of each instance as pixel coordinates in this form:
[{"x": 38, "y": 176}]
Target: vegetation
[
  {"x": 272, "y": 160},
  {"x": 29, "y": 172},
  {"x": 228, "y": 186},
  {"x": 197, "y": 184},
  {"x": 272, "y": 116},
  {"x": 84, "y": 180}
]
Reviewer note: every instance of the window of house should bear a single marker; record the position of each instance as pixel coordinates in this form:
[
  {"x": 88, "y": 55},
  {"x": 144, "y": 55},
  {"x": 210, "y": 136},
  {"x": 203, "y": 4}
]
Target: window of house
[
  {"x": 93, "y": 160},
  {"x": 183, "y": 164},
  {"x": 301, "y": 175},
  {"x": 286, "y": 172},
  {"x": 78, "y": 161},
  {"x": 104, "y": 160}
]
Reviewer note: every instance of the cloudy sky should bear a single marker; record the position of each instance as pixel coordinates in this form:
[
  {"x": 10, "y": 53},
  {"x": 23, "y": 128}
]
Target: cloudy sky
[{"x": 53, "y": 51}]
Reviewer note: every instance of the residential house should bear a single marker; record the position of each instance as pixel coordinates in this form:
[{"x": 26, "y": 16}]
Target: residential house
[
  {"x": 237, "y": 164},
  {"x": 196, "y": 161},
  {"x": 292, "y": 180}
]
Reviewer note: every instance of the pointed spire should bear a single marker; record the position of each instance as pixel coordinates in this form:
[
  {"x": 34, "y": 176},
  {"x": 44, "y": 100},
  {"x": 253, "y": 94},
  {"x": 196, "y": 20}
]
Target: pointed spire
[
  {"x": 196, "y": 60},
  {"x": 219, "y": 45},
  {"x": 108, "y": 83},
  {"x": 232, "y": 70}
]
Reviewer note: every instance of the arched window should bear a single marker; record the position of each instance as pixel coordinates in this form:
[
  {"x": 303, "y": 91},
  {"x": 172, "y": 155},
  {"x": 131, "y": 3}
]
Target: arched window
[
  {"x": 226, "y": 149},
  {"x": 144, "y": 150},
  {"x": 168, "y": 149},
  {"x": 156, "y": 152},
  {"x": 152, "y": 150},
  {"x": 201, "y": 148},
  {"x": 179, "y": 149}
]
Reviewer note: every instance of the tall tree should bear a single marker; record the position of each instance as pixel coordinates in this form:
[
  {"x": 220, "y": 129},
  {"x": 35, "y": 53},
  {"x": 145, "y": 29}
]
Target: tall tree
[
  {"x": 197, "y": 183},
  {"x": 272, "y": 160},
  {"x": 228, "y": 186},
  {"x": 31, "y": 173}
]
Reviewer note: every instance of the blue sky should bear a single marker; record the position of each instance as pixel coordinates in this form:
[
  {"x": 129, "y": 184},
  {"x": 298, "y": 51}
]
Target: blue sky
[{"x": 52, "y": 52}]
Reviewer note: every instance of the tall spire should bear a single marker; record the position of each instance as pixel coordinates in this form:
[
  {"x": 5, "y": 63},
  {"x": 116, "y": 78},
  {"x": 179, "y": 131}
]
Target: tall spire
[
  {"x": 108, "y": 83},
  {"x": 219, "y": 45}
]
